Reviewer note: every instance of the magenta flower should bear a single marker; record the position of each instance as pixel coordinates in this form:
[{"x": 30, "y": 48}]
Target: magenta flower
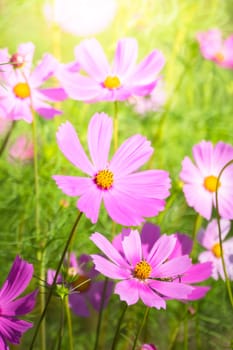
[
  {"x": 213, "y": 48},
  {"x": 116, "y": 83},
  {"x": 208, "y": 238},
  {"x": 128, "y": 196},
  {"x": 200, "y": 179},
  {"x": 11, "y": 328},
  {"x": 22, "y": 149},
  {"x": 85, "y": 289},
  {"x": 148, "y": 347},
  {"x": 149, "y": 274},
  {"x": 20, "y": 93}
]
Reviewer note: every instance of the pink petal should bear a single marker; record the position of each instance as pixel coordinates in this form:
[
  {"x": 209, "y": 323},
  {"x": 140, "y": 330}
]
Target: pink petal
[
  {"x": 92, "y": 59},
  {"x": 54, "y": 94},
  {"x": 20, "y": 306},
  {"x": 161, "y": 250},
  {"x": 197, "y": 293},
  {"x": 132, "y": 154},
  {"x": 44, "y": 70},
  {"x": 199, "y": 198},
  {"x": 72, "y": 185},
  {"x": 150, "y": 298},
  {"x": 208, "y": 237},
  {"x": 172, "y": 268},
  {"x": 197, "y": 273},
  {"x": 203, "y": 156},
  {"x": 128, "y": 291},
  {"x": 108, "y": 249},
  {"x": 183, "y": 245},
  {"x": 125, "y": 57},
  {"x": 171, "y": 289},
  {"x": 89, "y": 203},
  {"x": 132, "y": 247},
  {"x": 149, "y": 235},
  {"x": 12, "y": 329},
  {"x": 109, "y": 269},
  {"x": 70, "y": 146},
  {"x": 99, "y": 138}
]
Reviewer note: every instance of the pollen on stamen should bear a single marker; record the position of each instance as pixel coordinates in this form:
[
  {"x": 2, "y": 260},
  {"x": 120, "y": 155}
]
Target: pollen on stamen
[
  {"x": 112, "y": 82},
  {"x": 104, "y": 179},
  {"x": 22, "y": 90},
  {"x": 142, "y": 270},
  {"x": 210, "y": 183}
]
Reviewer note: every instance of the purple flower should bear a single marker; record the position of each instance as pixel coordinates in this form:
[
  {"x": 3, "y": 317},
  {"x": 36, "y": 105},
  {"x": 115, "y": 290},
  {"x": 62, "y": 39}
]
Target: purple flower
[
  {"x": 112, "y": 83},
  {"x": 11, "y": 328},
  {"x": 209, "y": 239},
  {"x": 84, "y": 288},
  {"x": 148, "y": 347},
  {"x": 213, "y": 48},
  {"x": 151, "y": 267},
  {"x": 200, "y": 179},
  {"x": 128, "y": 196},
  {"x": 20, "y": 92}
]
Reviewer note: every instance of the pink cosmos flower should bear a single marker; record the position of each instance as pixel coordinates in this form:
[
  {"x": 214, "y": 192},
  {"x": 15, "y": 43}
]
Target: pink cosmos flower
[
  {"x": 145, "y": 266},
  {"x": 22, "y": 149},
  {"x": 148, "y": 347},
  {"x": 81, "y": 17},
  {"x": 149, "y": 103},
  {"x": 84, "y": 288},
  {"x": 112, "y": 83},
  {"x": 12, "y": 328},
  {"x": 128, "y": 196},
  {"x": 213, "y": 48},
  {"x": 4, "y": 125},
  {"x": 200, "y": 179},
  {"x": 20, "y": 93},
  {"x": 208, "y": 238}
]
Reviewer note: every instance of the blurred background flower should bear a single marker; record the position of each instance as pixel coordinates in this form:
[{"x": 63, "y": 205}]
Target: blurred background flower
[{"x": 22, "y": 149}]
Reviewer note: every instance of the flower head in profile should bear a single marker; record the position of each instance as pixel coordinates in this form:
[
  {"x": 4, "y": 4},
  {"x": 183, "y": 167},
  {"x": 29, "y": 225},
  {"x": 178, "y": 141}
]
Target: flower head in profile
[
  {"x": 84, "y": 288},
  {"x": 215, "y": 49},
  {"x": 20, "y": 92},
  {"x": 128, "y": 196},
  {"x": 112, "y": 83},
  {"x": 150, "y": 268},
  {"x": 11, "y": 327},
  {"x": 200, "y": 179},
  {"x": 22, "y": 149},
  {"x": 80, "y": 17},
  {"x": 209, "y": 239}
]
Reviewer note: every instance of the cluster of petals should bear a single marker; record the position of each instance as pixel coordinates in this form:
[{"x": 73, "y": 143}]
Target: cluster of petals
[
  {"x": 11, "y": 327},
  {"x": 150, "y": 266},
  {"x": 85, "y": 289},
  {"x": 22, "y": 149},
  {"x": 128, "y": 196},
  {"x": 215, "y": 49},
  {"x": 116, "y": 82},
  {"x": 200, "y": 179},
  {"x": 209, "y": 239},
  {"x": 20, "y": 89}
]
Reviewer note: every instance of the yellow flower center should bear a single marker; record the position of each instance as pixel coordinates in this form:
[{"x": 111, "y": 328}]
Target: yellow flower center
[
  {"x": 219, "y": 57},
  {"x": 142, "y": 270},
  {"x": 210, "y": 183},
  {"x": 104, "y": 179},
  {"x": 81, "y": 284},
  {"x": 112, "y": 82},
  {"x": 22, "y": 90},
  {"x": 216, "y": 250}
]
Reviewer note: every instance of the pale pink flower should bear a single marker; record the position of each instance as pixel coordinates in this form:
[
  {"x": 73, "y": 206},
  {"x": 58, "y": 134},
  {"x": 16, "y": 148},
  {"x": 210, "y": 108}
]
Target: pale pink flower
[
  {"x": 22, "y": 149},
  {"x": 200, "y": 179},
  {"x": 214, "y": 48},
  {"x": 104, "y": 82},
  {"x": 81, "y": 17},
  {"x": 21, "y": 92},
  {"x": 128, "y": 196},
  {"x": 209, "y": 239}
]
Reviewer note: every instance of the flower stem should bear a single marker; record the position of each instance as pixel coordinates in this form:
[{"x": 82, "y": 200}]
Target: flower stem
[
  {"x": 228, "y": 284},
  {"x": 55, "y": 279},
  {"x": 196, "y": 227},
  {"x": 115, "y": 133},
  {"x": 69, "y": 323},
  {"x": 61, "y": 328},
  {"x": 100, "y": 315},
  {"x": 118, "y": 327},
  {"x": 146, "y": 314},
  {"x": 6, "y": 139}
]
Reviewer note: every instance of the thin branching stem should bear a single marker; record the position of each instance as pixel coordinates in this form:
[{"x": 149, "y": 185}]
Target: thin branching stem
[
  {"x": 145, "y": 317},
  {"x": 7, "y": 137},
  {"x": 69, "y": 323},
  {"x": 118, "y": 327}
]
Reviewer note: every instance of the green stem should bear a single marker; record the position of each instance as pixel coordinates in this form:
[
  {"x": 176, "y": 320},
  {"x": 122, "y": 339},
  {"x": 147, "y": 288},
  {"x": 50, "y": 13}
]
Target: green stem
[
  {"x": 100, "y": 315},
  {"x": 115, "y": 339},
  {"x": 115, "y": 133},
  {"x": 69, "y": 322},
  {"x": 55, "y": 279},
  {"x": 61, "y": 328},
  {"x": 141, "y": 327},
  {"x": 6, "y": 139},
  {"x": 196, "y": 227},
  {"x": 228, "y": 284},
  {"x": 186, "y": 329}
]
